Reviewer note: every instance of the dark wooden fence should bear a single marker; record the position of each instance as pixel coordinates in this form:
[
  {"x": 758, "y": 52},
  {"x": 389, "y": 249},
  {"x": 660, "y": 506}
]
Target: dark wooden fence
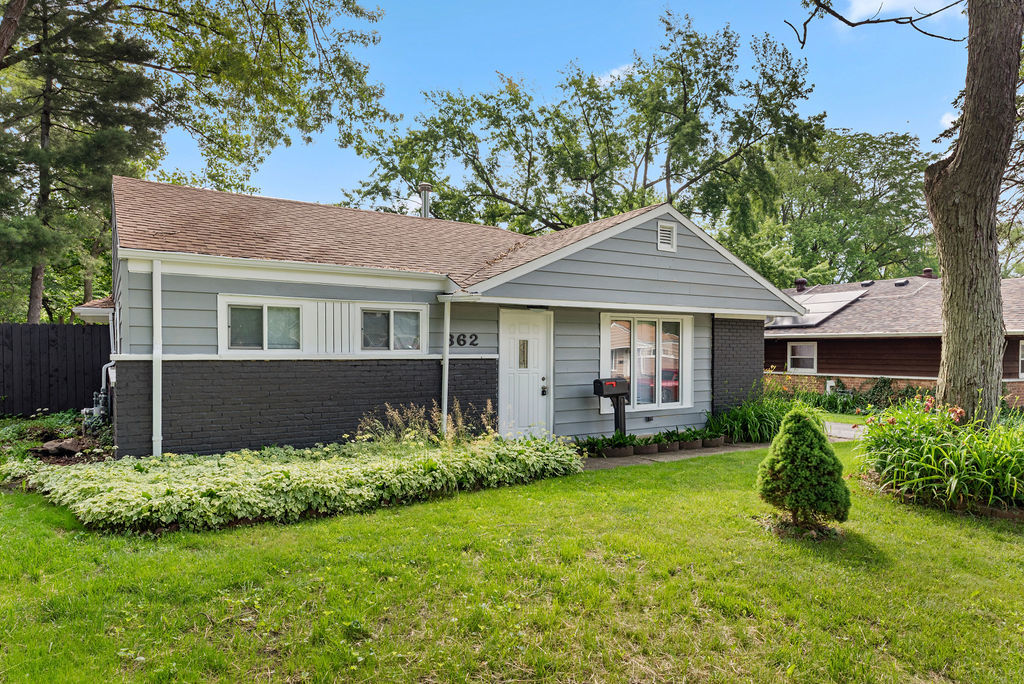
[{"x": 55, "y": 367}]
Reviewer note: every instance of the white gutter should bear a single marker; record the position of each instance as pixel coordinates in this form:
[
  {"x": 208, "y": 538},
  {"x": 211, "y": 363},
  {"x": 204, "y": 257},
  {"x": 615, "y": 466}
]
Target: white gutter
[
  {"x": 158, "y": 351},
  {"x": 444, "y": 363}
]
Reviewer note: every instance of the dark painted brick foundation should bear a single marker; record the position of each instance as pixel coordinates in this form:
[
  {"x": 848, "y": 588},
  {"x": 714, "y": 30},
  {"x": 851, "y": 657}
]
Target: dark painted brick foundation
[
  {"x": 214, "y": 406},
  {"x": 738, "y": 360}
]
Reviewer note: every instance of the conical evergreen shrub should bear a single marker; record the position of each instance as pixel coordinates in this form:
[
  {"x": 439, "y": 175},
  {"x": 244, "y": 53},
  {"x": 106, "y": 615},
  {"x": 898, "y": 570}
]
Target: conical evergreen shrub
[{"x": 802, "y": 474}]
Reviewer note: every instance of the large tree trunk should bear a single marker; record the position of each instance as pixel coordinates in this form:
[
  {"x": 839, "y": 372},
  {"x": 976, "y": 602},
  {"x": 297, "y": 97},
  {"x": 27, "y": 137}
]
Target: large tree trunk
[
  {"x": 962, "y": 192},
  {"x": 35, "y": 292},
  {"x": 9, "y": 25}
]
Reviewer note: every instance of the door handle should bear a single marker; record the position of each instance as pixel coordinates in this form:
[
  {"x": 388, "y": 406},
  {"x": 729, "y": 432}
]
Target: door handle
[{"x": 543, "y": 390}]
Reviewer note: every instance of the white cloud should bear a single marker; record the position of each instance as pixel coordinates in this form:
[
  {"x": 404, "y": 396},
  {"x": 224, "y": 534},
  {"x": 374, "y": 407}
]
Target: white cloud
[
  {"x": 863, "y": 9},
  {"x": 947, "y": 120},
  {"x": 609, "y": 77}
]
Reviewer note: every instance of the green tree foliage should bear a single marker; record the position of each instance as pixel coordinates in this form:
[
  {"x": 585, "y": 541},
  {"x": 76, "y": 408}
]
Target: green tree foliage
[
  {"x": 686, "y": 125},
  {"x": 854, "y": 211},
  {"x": 802, "y": 474},
  {"x": 73, "y": 116},
  {"x": 239, "y": 78}
]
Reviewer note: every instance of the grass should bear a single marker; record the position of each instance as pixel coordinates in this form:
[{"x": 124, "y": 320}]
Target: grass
[
  {"x": 843, "y": 418},
  {"x": 656, "y": 572}
]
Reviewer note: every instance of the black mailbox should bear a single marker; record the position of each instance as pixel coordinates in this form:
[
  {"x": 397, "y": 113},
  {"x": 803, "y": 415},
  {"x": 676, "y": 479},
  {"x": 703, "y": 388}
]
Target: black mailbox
[
  {"x": 611, "y": 387},
  {"x": 617, "y": 391}
]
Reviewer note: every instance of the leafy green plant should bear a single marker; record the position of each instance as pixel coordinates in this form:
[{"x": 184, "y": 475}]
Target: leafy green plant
[
  {"x": 931, "y": 454},
  {"x": 621, "y": 439},
  {"x": 282, "y": 483},
  {"x": 589, "y": 446},
  {"x": 40, "y": 427},
  {"x": 802, "y": 474},
  {"x": 757, "y": 419}
]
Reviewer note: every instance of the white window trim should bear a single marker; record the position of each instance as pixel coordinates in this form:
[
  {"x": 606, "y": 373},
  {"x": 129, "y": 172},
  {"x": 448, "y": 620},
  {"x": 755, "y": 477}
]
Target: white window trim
[
  {"x": 1020, "y": 359},
  {"x": 801, "y": 371},
  {"x": 356, "y": 327},
  {"x": 685, "y": 361},
  {"x": 675, "y": 236},
  {"x": 306, "y": 325},
  {"x": 351, "y": 313}
]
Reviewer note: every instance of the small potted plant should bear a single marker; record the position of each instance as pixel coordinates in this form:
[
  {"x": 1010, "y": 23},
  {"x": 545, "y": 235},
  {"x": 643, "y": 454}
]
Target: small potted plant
[
  {"x": 667, "y": 441},
  {"x": 618, "y": 445},
  {"x": 645, "y": 446},
  {"x": 712, "y": 439},
  {"x": 589, "y": 446},
  {"x": 690, "y": 439}
]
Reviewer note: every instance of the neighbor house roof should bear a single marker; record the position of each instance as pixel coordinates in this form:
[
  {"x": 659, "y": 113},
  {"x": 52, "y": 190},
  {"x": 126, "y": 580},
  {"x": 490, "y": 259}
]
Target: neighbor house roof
[
  {"x": 885, "y": 309},
  {"x": 104, "y": 303},
  {"x": 175, "y": 218}
]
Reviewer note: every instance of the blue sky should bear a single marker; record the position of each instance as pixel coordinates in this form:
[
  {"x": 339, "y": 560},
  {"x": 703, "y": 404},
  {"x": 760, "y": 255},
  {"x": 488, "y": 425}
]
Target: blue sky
[{"x": 873, "y": 78}]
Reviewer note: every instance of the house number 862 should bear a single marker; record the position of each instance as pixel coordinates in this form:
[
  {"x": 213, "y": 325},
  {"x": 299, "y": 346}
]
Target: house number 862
[{"x": 462, "y": 339}]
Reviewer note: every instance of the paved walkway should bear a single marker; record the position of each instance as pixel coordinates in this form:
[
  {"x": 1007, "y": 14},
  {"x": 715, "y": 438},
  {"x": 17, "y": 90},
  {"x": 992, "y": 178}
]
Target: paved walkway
[
  {"x": 842, "y": 432},
  {"x": 837, "y": 432}
]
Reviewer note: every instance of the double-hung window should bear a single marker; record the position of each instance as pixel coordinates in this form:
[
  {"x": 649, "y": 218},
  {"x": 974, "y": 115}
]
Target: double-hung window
[
  {"x": 654, "y": 353},
  {"x": 802, "y": 357},
  {"x": 260, "y": 327},
  {"x": 391, "y": 329}
]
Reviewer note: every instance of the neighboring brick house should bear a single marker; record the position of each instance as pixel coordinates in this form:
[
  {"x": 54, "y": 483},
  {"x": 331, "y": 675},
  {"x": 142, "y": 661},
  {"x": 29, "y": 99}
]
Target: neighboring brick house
[
  {"x": 858, "y": 332},
  {"x": 241, "y": 321}
]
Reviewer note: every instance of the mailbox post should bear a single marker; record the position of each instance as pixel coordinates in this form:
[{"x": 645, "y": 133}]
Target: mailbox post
[{"x": 617, "y": 390}]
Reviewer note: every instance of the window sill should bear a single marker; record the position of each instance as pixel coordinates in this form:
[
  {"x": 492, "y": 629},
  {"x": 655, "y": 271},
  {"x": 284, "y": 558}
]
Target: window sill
[{"x": 606, "y": 408}]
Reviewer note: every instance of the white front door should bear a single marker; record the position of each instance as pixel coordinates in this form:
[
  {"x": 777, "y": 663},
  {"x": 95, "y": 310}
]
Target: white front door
[{"x": 524, "y": 376}]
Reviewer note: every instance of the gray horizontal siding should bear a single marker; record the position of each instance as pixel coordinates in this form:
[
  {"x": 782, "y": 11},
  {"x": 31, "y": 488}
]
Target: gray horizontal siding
[
  {"x": 467, "y": 319},
  {"x": 629, "y": 269},
  {"x": 578, "y": 364},
  {"x": 190, "y": 309}
]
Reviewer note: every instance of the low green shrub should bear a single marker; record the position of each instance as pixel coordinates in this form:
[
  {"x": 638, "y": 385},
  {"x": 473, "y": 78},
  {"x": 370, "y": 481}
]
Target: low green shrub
[
  {"x": 284, "y": 484},
  {"x": 932, "y": 454},
  {"x": 802, "y": 474},
  {"x": 41, "y": 427}
]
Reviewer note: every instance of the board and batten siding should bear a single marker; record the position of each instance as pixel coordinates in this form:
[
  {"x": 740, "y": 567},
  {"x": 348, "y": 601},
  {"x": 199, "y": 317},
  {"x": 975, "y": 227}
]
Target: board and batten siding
[
  {"x": 578, "y": 363},
  {"x": 190, "y": 311},
  {"x": 629, "y": 269}
]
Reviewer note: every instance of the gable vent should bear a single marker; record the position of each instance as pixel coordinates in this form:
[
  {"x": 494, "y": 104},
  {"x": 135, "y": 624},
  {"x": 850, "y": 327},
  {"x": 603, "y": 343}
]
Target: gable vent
[{"x": 666, "y": 236}]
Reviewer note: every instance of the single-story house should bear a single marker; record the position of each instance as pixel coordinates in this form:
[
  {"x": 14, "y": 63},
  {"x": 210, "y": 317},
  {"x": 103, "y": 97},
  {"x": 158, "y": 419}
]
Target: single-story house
[
  {"x": 858, "y": 332},
  {"x": 242, "y": 321}
]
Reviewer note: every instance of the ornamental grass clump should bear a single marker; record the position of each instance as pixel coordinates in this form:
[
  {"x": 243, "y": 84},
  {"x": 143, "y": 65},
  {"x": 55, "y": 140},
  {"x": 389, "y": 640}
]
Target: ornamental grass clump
[
  {"x": 283, "y": 484},
  {"x": 802, "y": 474}
]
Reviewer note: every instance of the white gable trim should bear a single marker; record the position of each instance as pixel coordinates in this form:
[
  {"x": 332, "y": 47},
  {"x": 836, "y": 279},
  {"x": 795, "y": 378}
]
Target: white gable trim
[
  {"x": 568, "y": 250},
  {"x": 618, "y": 306}
]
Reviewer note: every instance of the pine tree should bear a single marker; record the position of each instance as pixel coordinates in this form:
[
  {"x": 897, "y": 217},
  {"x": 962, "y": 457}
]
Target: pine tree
[
  {"x": 802, "y": 474},
  {"x": 77, "y": 113}
]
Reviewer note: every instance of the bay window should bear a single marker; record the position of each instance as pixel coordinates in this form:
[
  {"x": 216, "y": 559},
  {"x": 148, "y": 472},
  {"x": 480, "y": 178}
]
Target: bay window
[{"x": 654, "y": 353}]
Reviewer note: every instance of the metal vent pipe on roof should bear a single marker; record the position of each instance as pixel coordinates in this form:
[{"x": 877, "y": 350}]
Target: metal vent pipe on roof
[
  {"x": 801, "y": 284},
  {"x": 425, "y": 189}
]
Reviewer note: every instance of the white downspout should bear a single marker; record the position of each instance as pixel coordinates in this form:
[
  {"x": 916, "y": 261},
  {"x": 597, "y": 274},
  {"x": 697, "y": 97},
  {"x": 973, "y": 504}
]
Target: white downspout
[
  {"x": 444, "y": 364},
  {"x": 158, "y": 353}
]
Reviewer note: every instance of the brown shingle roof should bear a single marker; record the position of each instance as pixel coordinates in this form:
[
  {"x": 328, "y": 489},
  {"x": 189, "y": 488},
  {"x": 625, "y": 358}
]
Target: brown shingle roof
[
  {"x": 175, "y": 218},
  {"x": 885, "y": 309},
  {"x": 105, "y": 303}
]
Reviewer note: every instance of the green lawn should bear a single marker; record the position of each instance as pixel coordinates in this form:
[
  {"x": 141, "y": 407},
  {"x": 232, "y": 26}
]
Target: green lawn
[
  {"x": 844, "y": 418},
  {"x": 635, "y": 574}
]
